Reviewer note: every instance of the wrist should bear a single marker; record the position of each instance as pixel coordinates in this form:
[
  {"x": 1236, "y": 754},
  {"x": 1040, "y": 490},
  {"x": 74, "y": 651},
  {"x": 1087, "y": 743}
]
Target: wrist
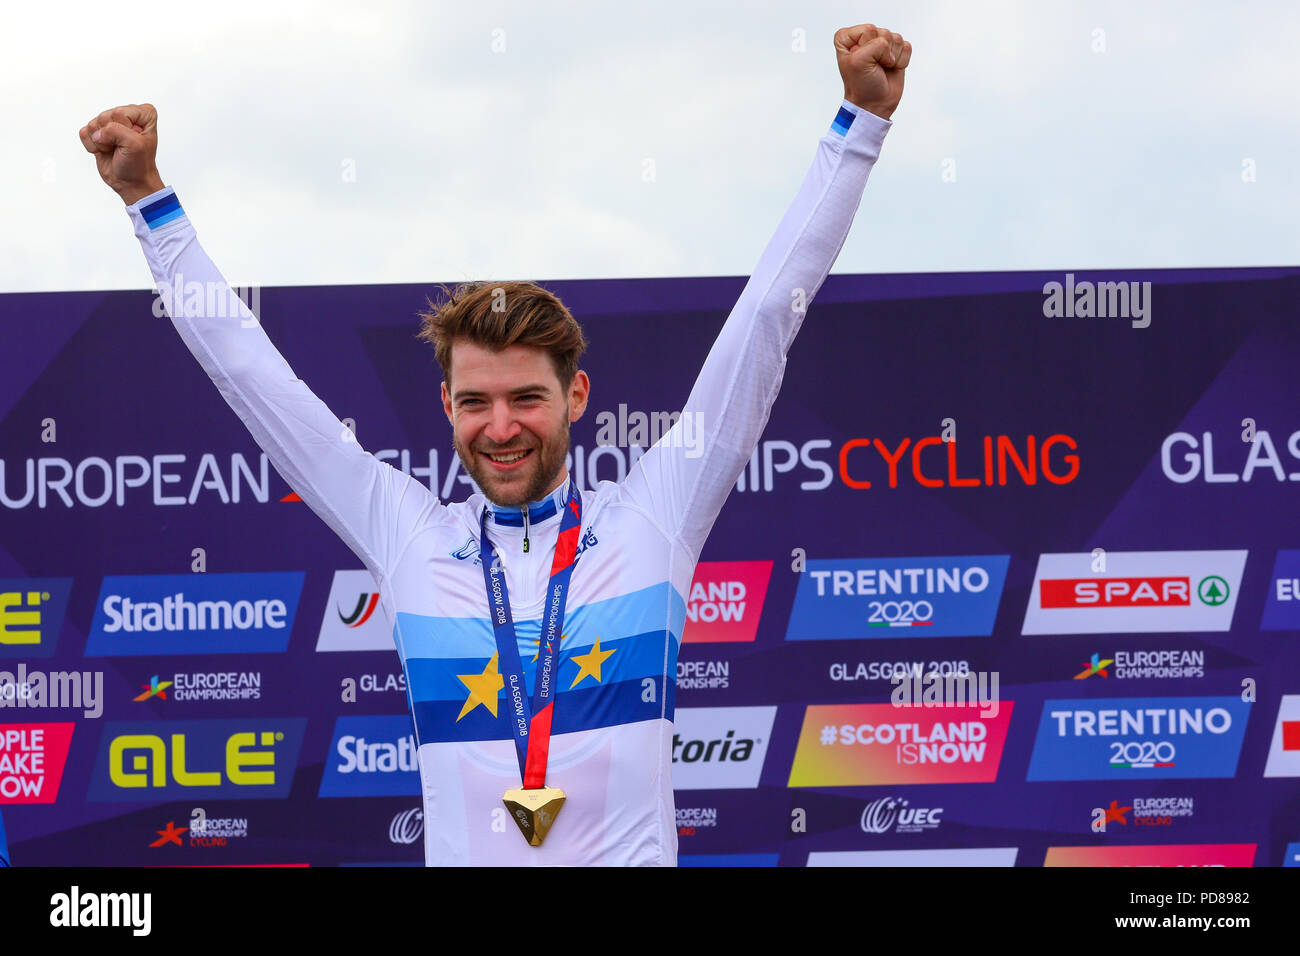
[
  {"x": 876, "y": 109},
  {"x": 134, "y": 192}
]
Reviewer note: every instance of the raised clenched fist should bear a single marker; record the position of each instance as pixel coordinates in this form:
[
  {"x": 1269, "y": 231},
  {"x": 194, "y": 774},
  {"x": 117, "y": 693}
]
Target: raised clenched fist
[
  {"x": 124, "y": 142},
  {"x": 872, "y": 61}
]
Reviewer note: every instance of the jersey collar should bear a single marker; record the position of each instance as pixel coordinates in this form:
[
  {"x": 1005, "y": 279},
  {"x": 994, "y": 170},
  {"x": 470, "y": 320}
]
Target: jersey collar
[{"x": 540, "y": 510}]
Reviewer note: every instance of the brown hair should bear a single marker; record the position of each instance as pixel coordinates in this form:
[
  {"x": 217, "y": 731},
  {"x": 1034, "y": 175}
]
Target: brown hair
[{"x": 497, "y": 315}]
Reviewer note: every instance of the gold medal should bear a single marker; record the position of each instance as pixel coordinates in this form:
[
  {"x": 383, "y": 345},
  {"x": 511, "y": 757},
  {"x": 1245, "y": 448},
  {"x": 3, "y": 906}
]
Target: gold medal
[{"x": 534, "y": 810}]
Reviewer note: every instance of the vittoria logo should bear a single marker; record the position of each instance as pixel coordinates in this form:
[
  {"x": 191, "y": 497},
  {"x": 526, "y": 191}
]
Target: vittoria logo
[{"x": 718, "y": 748}]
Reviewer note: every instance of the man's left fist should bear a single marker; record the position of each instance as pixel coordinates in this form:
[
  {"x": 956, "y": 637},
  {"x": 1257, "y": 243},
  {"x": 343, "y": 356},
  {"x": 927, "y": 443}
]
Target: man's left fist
[{"x": 872, "y": 61}]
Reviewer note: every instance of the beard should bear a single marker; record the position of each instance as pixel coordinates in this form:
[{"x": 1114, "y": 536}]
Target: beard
[{"x": 530, "y": 483}]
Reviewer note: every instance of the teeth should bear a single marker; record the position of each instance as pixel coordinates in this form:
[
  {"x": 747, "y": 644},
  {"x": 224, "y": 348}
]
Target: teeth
[{"x": 505, "y": 460}]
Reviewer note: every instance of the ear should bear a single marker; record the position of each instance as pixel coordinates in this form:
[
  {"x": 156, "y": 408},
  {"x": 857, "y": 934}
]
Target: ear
[
  {"x": 579, "y": 390},
  {"x": 446, "y": 403}
]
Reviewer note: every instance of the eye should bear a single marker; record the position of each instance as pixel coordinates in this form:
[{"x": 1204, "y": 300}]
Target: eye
[{"x": 470, "y": 401}]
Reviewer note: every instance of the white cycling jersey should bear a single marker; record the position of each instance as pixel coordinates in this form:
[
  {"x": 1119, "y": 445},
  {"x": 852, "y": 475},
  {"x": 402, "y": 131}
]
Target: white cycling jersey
[{"x": 611, "y": 750}]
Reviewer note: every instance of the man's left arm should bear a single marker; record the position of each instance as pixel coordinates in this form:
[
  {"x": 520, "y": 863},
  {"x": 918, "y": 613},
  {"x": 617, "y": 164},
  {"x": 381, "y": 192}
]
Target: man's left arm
[{"x": 684, "y": 479}]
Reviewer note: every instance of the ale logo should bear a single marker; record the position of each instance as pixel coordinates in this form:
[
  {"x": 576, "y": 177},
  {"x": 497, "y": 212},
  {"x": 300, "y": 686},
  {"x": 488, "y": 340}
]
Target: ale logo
[
  {"x": 196, "y": 758},
  {"x": 31, "y": 615}
]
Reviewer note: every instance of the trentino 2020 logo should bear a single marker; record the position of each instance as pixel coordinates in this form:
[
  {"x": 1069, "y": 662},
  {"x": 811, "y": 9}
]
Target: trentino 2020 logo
[
  {"x": 897, "y": 597},
  {"x": 1142, "y": 738},
  {"x": 31, "y": 615},
  {"x": 179, "y": 759},
  {"x": 194, "y": 614}
]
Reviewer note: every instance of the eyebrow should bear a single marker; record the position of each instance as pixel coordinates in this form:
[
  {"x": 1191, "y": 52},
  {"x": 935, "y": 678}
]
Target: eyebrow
[{"x": 468, "y": 393}]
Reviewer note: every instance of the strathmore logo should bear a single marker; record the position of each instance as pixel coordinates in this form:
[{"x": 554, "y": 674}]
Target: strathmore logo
[{"x": 160, "y": 614}]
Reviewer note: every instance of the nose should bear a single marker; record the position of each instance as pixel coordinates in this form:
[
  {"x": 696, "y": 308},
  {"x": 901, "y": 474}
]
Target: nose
[{"x": 502, "y": 428}]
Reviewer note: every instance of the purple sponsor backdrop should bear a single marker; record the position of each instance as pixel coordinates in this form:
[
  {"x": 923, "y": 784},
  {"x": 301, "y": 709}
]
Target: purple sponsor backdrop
[{"x": 96, "y": 376}]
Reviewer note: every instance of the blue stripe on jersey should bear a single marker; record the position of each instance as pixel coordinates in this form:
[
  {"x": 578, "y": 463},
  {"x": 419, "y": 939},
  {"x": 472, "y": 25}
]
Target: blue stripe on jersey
[
  {"x": 624, "y": 616},
  {"x": 843, "y": 120},
  {"x": 515, "y": 516},
  {"x": 606, "y": 705},
  {"x": 162, "y": 210},
  {"x": 641, "y": 655}
]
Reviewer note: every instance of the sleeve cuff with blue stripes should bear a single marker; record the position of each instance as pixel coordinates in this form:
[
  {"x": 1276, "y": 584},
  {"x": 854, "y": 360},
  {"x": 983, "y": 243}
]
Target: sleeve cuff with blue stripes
[
  {"x": 159, "y": 208},
  {"x": 851, "y": 114}
]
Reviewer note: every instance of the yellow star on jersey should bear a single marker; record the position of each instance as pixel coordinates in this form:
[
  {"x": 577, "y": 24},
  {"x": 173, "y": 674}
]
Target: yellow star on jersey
[
  {"x": 482, "y": 688},
  {"x": 589, "y": 663}
]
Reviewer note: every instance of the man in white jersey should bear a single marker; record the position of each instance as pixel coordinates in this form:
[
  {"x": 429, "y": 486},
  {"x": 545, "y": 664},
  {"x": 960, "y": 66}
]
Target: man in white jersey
[{"x": 554, "y": 665}]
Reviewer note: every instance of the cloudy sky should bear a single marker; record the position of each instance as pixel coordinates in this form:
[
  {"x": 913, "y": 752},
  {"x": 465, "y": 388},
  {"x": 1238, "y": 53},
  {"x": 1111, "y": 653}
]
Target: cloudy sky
[{"x": 350, "y": 142}]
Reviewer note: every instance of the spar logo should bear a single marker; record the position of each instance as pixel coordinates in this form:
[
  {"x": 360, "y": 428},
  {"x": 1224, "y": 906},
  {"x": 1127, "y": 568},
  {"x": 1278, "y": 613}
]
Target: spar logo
[
  {"x": 355, "y": 618},
  {"x": 181, "y": 759},
  {"x": 160, "y": 614},
  {"x": 847, "y": 745},
  {"x": 31, "y": 615},
  {"x": 897, "y": 597},
  {"x": 1134, "y": 592},
  {"x": 1174, "y": 854},
  {"x": 1282, "y": 609},
  {"x": 32, "y": 757},
  {"x": 895, "y": 815},
  {"x": 1284, "y": 750},
  {"x": 372, "y": 757},
  {"x": 720, "y": 748},
  {"x": 1140, "y": 737},
  {"x": 726, "y": 600}
]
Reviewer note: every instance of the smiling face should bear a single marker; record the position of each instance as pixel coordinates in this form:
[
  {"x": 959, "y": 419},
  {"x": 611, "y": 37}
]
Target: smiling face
[{"x": 510, "y": 419}]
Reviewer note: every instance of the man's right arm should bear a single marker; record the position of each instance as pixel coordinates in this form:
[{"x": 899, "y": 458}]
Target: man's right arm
[{"x": 370, "y": 505}]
